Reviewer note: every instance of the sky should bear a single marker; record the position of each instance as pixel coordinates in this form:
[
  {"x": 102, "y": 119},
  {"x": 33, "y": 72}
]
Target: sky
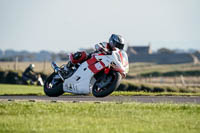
[{"x": 68, "y": 25}]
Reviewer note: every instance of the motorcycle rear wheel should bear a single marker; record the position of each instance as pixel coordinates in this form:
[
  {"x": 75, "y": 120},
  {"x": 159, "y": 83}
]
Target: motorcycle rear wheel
[
  {"x": 109, "y": 88},
  {"x": 54, "y": 90}
]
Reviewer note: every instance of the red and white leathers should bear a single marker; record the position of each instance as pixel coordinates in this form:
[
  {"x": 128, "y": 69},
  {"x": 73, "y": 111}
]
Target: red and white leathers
[
  {"x": 104, "y": 46},
  {"x": 99, "y": 48}
]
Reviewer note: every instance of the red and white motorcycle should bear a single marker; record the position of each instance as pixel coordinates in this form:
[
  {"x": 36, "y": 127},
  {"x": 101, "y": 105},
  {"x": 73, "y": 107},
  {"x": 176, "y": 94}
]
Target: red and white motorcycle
[{"x": 99, "y": 75}]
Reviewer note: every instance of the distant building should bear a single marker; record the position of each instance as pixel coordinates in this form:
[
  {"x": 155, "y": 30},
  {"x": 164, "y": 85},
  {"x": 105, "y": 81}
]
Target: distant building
[
  {"x": 144, "y": 54},
  {"x": 139, "y": 50}
]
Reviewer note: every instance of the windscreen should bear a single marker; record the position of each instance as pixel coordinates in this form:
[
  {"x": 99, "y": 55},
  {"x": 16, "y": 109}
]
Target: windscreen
[{"x": 125, "y": 60}]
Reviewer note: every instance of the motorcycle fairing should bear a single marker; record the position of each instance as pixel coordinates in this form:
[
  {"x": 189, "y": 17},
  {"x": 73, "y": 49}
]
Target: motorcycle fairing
[
  {"x": 94, "y": 65},
  {"x": 79, "y": 82}
]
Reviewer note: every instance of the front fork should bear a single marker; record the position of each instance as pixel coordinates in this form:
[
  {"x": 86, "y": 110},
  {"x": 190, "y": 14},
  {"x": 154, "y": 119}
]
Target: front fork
[{"x": 57, "y": 69}]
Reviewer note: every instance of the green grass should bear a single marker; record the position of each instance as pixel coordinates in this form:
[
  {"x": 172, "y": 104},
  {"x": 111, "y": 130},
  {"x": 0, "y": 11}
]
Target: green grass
[
  {"x": 6, "y": 89},
  {"x": 142, "y": 68},
  {"x": 141, "y": 93},
  {"x": 66, "y": 117}
]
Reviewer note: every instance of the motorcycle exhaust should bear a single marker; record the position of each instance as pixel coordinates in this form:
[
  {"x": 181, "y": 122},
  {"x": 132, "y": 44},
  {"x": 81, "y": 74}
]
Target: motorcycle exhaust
[{"x": 56, "y": 69}]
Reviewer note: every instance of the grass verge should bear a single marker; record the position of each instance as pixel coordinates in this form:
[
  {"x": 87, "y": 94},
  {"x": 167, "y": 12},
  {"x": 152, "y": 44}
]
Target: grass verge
[
  {"x": 99, "y": 118},
  {"x": 127, "y": 85},
  {"x": 141, "y": 93},
  {"x": 6, "y": 89}
]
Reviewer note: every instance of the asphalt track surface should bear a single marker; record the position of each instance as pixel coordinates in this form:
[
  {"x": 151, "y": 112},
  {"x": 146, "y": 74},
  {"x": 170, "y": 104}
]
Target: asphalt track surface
[{"x": 118, "y": 99}]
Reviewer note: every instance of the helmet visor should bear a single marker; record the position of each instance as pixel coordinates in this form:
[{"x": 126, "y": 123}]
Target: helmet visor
[{"x": 120, "y": 46}]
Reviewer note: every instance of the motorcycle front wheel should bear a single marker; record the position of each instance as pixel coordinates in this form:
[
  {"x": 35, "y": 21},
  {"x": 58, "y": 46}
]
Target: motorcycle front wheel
[
  {"x": 53, "y": 87},
  {"x": 106, "y": 84}
]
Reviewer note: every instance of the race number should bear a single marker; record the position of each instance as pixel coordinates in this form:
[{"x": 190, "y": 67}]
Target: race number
[{"x": 98, "y": 66}]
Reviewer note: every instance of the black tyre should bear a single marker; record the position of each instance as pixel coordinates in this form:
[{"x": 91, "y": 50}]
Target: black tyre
[
  {"x": 54, "y": 89},
  {"x": 112, "y": 81}
]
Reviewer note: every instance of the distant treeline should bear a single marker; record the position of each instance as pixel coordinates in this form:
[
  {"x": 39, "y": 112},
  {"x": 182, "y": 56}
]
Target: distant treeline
[
  {"x": 11, "y": 55},
  {"x": 43, "y": 55}
]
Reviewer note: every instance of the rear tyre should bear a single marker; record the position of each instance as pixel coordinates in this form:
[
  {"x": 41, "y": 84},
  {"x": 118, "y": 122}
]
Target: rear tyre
[
  {"x": 52, "y": 87},
  {"x": 100, "y": 90}
]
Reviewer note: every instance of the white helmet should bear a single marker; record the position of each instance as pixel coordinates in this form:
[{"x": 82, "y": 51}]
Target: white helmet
[{"x": 31, "y": 66}]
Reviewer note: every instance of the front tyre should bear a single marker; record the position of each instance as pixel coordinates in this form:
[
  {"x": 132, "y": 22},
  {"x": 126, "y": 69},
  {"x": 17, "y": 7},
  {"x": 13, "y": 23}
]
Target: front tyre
[
  {"x": 53, "y": 87},
  {"x": 106, "y": 84}
]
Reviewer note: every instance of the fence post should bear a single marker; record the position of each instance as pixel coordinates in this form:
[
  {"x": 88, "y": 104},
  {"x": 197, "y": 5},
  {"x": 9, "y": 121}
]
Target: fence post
[
  {"x": 182, "y": 80},
  {"x": 175, "y": 81},
  {"x": 16, "y": 64},
  {"x": 161, "y": 80},
  {"x": 44, "y": 65},
  {"x": 150, "y": 78}
]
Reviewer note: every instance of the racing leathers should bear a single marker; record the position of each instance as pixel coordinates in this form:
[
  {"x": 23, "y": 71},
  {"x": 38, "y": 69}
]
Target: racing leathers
[{"x": 79, "y": 57}]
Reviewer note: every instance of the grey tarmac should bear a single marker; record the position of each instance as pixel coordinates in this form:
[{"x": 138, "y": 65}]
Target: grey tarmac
[{"x": 118, "y": 99}]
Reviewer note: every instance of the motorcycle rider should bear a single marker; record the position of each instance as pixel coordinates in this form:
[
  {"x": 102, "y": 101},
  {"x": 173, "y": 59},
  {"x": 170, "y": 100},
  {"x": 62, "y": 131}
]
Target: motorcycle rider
[
  {"x": 115, "y": 41},
  {"x": 29, "y": 74}
]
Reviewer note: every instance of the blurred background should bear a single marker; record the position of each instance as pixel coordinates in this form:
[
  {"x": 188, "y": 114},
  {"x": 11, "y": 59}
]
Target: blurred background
[{"x": 162, "y": 36}]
